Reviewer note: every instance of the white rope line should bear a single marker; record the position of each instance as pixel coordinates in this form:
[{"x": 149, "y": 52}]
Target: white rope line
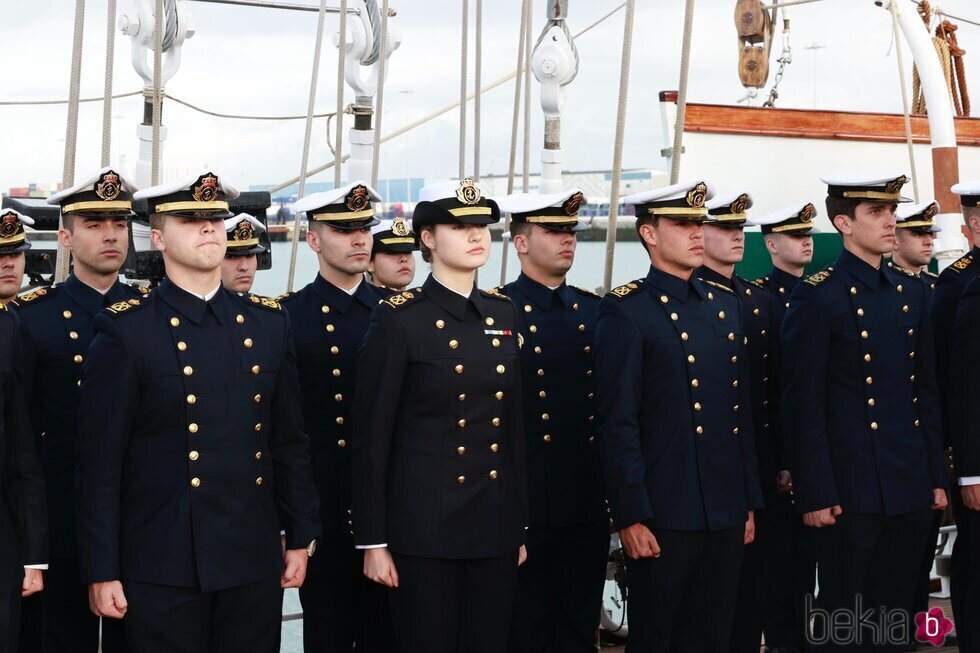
[
  {"x": 158, "y": 23},
  {"x": 675, "y": 157},
  {"x": 526, "y": 168},
  {"x": 339, "y": 115},
  {"x": 110, "y": 59},
  {"x": 515, "y": 121},
  {"x": 71, "y": 130},
  {"x": 617, "y": 171},
  {"x": 905, "y": 99},
  {"x": 314, "y": 77},
  {"x": 382, "y": 73},
  {"x": 463, "y": 82},
  {"x": 477, "y": 82},
  {"x": 435, "y": 114}
]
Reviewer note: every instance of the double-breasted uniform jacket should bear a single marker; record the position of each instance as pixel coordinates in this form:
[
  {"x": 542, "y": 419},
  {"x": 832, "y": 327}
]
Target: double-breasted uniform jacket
[
  {"x": 859, "y": 391},
  {"x": 328, "y": 326},
  {"x": 780, "y": 285},
  {"x": 927, "y": 278},
  {"x": 192, "y": 454},
  {"x": 675, "y": 419},
  {"x": 558, "y": 377},
  {"x": 950, "y": 285},
  {"x": 23, "y": 514},
  {"x": 965, "y": 417},
  {"x": 439, "y": 459},
  {"x": 762, "y": 348},
  {"x": 57, "y": 330}
]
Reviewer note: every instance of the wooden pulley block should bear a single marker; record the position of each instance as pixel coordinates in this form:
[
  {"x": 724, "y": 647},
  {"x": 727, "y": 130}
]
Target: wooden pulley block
[
  {"x": 751, "y": 21},
  {"x": 753, "y": 66}
]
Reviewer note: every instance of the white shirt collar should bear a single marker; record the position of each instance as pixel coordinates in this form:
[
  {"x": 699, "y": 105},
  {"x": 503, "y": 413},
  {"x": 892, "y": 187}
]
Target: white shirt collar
[
  {"x": 208, "y": 297},
  {"x": 466, "y": 295},
  {"x": 354, "y": 288}
]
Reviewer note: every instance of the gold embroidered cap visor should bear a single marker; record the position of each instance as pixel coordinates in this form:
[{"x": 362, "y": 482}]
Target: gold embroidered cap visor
[
  {"x": 677, "y": 209},
  {"x": 553, "y": 218},
  {"x": 340, "y": 217},
  {"x": 386, "y": 242},
  {"x": 183, "y": 205},
  {"x": 452, "y": 211}
]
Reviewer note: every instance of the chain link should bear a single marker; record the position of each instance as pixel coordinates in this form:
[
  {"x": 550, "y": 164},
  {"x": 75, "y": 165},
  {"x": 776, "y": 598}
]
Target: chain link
[{"x": 785, "y": 58}]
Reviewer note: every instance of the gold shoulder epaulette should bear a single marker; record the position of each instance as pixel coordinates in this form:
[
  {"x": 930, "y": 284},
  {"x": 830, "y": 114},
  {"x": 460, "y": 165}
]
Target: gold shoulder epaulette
[
  {"x": 962, "y": 263},
  {"x": 720, "y": 286},
  {"x": 818, "y": 278},
  {"x": 123, "y": 307},
  {"x": 399, "y": 300},
  {"x": 264, "y": 302},
  {"x": 495, "y": 294},
  {"x": 37, "y": 295},
  {"x": 585, "y": 292},
  {"x": 628, "y": 289}
]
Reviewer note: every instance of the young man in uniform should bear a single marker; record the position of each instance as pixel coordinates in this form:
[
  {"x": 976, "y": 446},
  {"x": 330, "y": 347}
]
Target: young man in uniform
[
  {"x": 675, "y": 432},
  {"x": 23, "y": 513},
  {"x": 57, "y": 332},
  {"x": 788, "y": 235},
  {"x": 185, "y": 484},
  {"x": 12, "y": 253},
  {"x": 861, "y": 413},
  {"x": 766, "y": 564},
  {"x": 965, "y": 595},
  {"x": 915, "y": 231},
  {"x": 241, "y": 260},
  {"x": 330, "y": 315},
  {"x": 560, "y": 587}
]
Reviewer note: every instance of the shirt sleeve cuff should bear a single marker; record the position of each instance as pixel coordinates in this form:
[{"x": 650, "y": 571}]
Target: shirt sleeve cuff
[
  {"x": 970, "y": 480},
  {"x": 371, "y": 546},
  {"x": 42, "y": 567}
]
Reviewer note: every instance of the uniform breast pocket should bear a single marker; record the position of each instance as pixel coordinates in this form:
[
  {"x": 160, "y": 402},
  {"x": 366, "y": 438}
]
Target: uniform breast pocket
[{"x": 262, "y": 369}]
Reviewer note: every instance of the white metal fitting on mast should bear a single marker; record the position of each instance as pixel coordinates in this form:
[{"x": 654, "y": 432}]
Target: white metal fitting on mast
[
  {"x": 362, "y": 57},
  {"x": 554, "y": 63},
  {"x": 139, "y": 24}
]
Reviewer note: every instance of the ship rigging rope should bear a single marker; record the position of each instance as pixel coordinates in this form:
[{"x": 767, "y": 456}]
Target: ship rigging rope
[
  {"x": 341, "y": 63},
  {"x": 71, "y": 130},
  {"x": 526, "y": 168},
  {"x": 314, "y": 76},
  {"x": 440, "y": 112},
  {"x": 208, "y": 112},
  {"x": 170, "y": 10},
  {"x": 617, "y": 172},
  {"x": 463, "y": 65},
  {"x": 905, "y": 99},
  {"x": 477, "y": 81},
  {"x": 515, "y": 121},
  {"x": 382, "y": 61},
  {"x": 950, "y": 56},
  {"x": 158, "y": 27},
  {"x": 110, "y": 47},
  {"x": 675, "y": 155}
]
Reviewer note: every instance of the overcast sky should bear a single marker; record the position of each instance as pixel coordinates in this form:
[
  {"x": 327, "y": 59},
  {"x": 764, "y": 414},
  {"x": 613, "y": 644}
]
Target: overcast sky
[{"x": 258, "y": 61}]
